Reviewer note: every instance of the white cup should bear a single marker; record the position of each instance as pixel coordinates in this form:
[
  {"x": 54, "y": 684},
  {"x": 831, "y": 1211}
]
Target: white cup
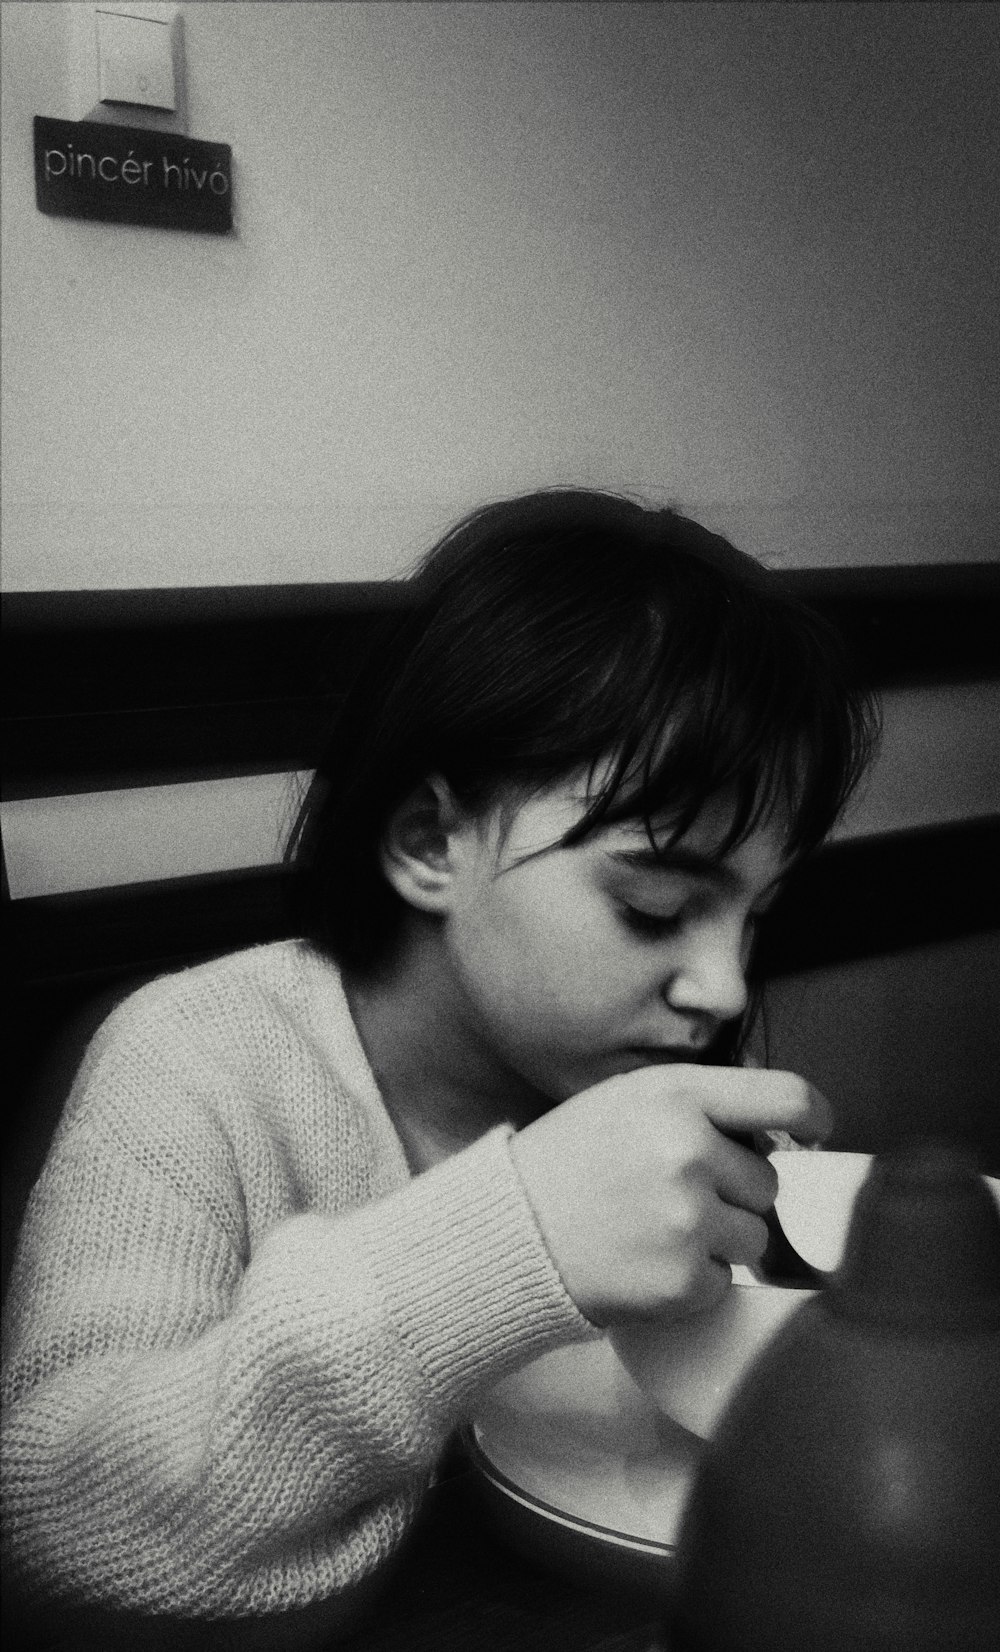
[{"x": 689, "y": 1367}]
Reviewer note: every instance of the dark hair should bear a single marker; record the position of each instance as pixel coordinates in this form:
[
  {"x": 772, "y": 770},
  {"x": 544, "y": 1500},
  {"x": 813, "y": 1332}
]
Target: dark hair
[{"x": 572, "y": 630}]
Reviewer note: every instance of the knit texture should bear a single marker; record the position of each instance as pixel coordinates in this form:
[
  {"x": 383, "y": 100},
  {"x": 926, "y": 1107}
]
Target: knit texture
[{"x": 238, "y": 1332}]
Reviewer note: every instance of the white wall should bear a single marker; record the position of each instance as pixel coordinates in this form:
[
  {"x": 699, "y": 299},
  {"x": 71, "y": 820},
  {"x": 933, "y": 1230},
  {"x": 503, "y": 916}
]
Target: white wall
[{"x": 741, "y": 256}]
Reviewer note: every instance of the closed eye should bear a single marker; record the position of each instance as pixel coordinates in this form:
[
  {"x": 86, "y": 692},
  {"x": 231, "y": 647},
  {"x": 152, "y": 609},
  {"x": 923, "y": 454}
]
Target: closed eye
[{"x": 652, "y": 925}]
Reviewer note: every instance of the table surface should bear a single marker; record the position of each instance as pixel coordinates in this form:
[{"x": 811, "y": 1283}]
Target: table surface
[
  {"x": 457, "y": 1587},
  {"x": 461, "y": 1587}
]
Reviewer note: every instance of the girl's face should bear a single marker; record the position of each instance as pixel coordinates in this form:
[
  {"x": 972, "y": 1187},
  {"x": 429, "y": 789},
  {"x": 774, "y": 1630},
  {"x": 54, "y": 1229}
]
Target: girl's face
[{"x": 568, "y": 965}]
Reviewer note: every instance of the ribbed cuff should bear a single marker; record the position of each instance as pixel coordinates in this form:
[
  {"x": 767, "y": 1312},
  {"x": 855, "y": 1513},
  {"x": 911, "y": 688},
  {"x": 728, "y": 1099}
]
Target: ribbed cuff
[{"x": 466, "y": 1273}]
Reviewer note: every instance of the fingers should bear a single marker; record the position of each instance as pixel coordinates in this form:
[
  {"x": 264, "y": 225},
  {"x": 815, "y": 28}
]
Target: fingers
[
  {"x": 744, "y": 1177},
  {"x": 748, "y": 1098},
  {"x": 741, "y": 1237},
  {"x": 643, "y": 1199}
]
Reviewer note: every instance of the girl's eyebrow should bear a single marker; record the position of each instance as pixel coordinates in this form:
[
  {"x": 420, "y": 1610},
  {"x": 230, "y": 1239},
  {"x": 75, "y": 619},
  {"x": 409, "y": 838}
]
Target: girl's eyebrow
[
  {"x": 689, "y": 861},
  {"x": 648, "y": 859}
]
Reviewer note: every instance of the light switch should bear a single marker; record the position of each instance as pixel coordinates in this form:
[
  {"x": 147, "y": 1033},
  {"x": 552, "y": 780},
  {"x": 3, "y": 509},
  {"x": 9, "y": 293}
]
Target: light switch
[{"x": 136, "y": 61}]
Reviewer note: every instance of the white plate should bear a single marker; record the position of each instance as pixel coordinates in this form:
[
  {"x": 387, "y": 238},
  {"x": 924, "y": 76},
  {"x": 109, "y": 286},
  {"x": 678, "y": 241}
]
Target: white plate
[{"x": 580, "y": 1470}]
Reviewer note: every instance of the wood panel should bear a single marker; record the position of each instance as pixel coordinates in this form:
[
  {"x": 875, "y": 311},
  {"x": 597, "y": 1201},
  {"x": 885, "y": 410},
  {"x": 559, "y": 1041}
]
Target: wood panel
[{"x": 107, "y": 688}]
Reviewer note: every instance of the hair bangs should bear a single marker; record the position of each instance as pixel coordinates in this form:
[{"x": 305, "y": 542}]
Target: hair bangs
[{"x": 766, "y": 726}]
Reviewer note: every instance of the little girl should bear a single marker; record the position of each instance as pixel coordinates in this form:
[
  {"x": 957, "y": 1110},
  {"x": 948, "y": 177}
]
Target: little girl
[{"x": 308, "y": 1202}]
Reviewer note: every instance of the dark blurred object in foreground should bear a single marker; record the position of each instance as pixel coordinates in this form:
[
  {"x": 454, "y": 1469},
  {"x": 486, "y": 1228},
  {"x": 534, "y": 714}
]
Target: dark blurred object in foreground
[{"x": 851, "y": 1495}]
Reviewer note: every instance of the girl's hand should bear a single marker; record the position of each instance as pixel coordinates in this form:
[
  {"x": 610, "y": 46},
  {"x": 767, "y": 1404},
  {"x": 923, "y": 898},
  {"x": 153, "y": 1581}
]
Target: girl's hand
[{"x": 643, "y": 1200}]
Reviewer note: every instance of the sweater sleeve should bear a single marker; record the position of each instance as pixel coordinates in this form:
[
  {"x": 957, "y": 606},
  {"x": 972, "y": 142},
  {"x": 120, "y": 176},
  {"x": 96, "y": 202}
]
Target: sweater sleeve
[{"x": 187, "y": 1430}]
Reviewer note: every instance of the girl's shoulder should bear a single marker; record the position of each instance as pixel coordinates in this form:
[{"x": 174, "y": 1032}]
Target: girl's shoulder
[
  {"x": 215, "y": 1062},
  {"x": 279, "y": 980},
  {"x": 246, "y": 1019}
]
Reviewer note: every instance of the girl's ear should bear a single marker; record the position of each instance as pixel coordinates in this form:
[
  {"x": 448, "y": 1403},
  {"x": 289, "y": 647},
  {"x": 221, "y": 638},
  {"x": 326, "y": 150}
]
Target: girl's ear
[{"x": 421, "y": 845}]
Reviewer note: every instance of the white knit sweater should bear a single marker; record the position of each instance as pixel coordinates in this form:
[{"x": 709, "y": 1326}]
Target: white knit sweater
[{"x": 238, "y": 1332}]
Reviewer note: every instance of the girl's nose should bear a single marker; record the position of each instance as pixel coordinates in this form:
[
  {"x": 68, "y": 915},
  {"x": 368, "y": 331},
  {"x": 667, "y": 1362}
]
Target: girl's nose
[{"x": 709, "y": 978}]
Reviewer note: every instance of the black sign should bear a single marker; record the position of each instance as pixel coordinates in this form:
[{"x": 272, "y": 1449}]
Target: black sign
[{"x": 131, "y": 175}]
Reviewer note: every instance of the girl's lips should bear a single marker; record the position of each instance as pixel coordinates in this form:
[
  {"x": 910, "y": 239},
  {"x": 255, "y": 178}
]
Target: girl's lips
[
  {"x": 636, "y": 1057},
  {"x": 654, "y": 1055}
]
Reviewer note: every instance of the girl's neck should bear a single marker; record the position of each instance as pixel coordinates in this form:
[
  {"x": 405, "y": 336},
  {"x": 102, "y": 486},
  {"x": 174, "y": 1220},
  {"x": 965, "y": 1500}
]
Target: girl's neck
[{"x": 441, "y": 1090}]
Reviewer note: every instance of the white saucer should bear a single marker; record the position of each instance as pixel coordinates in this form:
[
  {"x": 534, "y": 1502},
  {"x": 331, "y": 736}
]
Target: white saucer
[{"x": 581, "y": 1471}]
